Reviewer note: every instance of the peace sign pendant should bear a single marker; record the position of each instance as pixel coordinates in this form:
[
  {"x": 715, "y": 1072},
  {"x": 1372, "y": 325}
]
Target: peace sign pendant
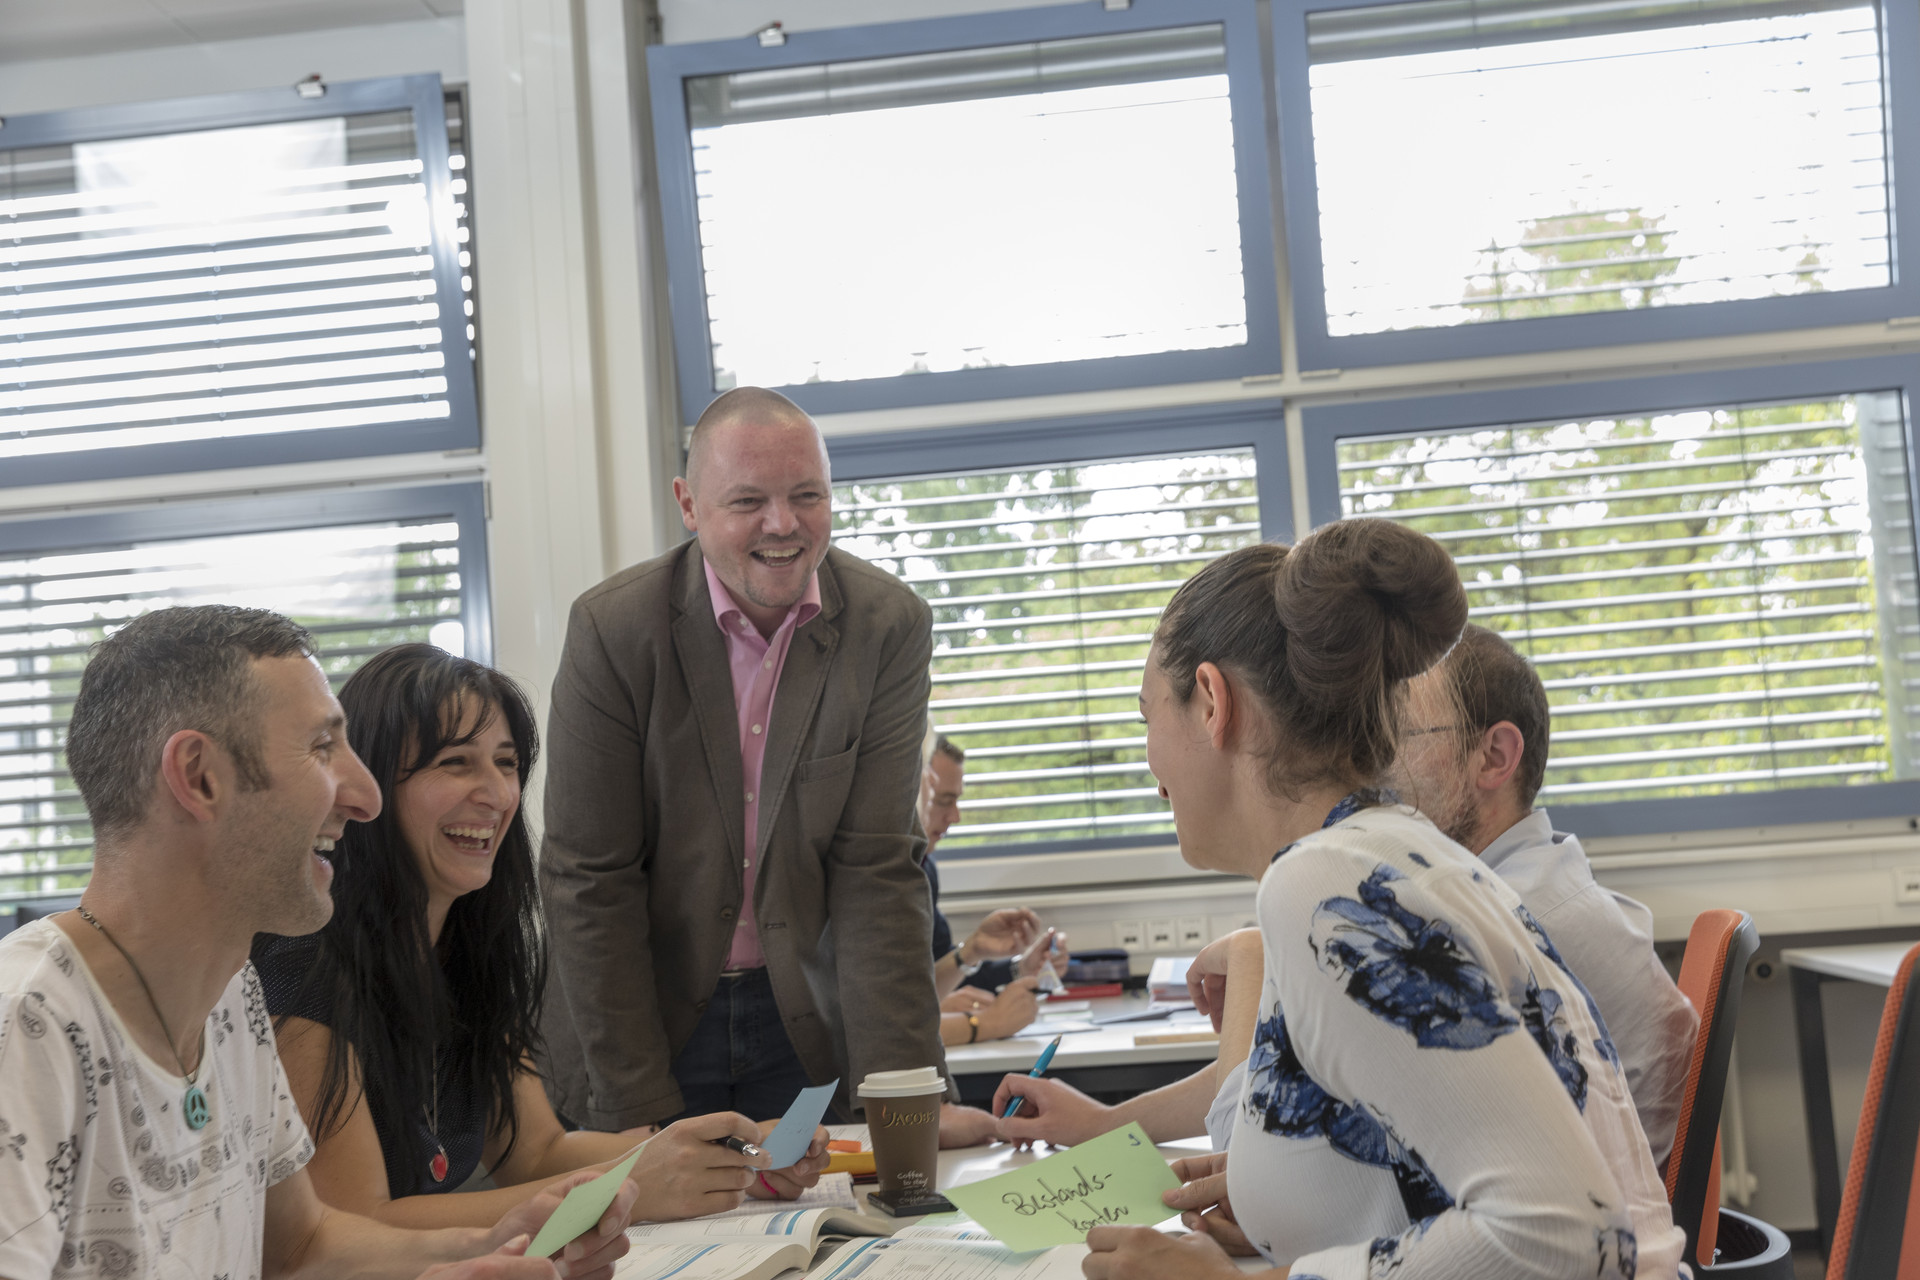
[{"x": 194, "y": 1108}]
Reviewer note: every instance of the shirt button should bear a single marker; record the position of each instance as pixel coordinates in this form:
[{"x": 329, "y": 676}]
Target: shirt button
[
  {"x": 746, "y": 864},
  {"x": 749, "y": 797},
  {"x": 756, "y": 728},
  {"x": 767, "y": 665}
]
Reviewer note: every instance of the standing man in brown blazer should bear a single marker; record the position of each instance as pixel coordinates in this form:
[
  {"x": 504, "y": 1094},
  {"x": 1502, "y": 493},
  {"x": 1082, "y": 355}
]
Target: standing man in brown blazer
[{"x": 734, "y": 903}]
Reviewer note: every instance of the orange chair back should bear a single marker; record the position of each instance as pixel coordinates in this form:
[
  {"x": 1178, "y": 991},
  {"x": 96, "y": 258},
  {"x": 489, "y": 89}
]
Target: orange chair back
[
  {"x": 1712, "y": 974},
  {"x": 1878, "y": 1237}
]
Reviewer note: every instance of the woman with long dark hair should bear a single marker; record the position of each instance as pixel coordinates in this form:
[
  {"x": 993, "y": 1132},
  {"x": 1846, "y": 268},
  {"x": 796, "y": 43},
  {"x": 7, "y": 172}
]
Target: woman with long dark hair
[
  {"x": 1430, "y": 1093},
  {"x": 408, "y": 1024}
]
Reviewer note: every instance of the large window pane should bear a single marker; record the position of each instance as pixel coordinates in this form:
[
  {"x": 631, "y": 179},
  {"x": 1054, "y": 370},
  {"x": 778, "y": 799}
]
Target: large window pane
[
  {"x": 359, "y": 588},
  {"x": 1023, "y": 204},
  {"x": 1045, "y": 585},
  {"x": 1718, "y": 600},
  {"x": 1564, "y": 158},
  {"x": 219, "y": 285}
]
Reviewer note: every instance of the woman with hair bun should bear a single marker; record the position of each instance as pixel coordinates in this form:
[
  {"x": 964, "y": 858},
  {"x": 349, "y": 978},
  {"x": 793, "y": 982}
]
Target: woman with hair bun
[{"x": 1430, "y": 1092}]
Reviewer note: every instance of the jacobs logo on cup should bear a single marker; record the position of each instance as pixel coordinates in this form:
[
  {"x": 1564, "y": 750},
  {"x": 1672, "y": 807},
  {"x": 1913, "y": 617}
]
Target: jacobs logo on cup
[{"x": 898, "y": 1117}]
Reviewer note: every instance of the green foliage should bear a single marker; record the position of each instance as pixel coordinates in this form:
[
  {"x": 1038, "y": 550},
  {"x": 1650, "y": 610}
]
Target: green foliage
[
  {"x": 1572, "y": 263},
  {"x": 1045, "y": 586}
]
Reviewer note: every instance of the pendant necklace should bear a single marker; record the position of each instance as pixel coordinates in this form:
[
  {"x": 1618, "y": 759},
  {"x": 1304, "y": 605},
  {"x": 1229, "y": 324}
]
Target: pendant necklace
[
  {"x": 193, "y": 1106},
  {"x": 438, "y": 1165}
]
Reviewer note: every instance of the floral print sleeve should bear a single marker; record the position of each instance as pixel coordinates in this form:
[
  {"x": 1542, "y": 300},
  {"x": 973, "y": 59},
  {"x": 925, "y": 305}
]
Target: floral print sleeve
[
  {"x": 46, "y": 1096},
  {"x": 1423, "y": 1072}
]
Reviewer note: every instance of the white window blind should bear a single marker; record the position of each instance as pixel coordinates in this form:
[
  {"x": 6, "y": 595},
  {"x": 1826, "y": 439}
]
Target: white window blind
[
  {"x": 1594, "y": 155},
  {"x": 359, "y": 588},
  {"x": 220, "y": 285},
  {"x": 1015, "y": 205},
  {"x": 1046, "y": 584},
  {"x": 1718, "y": 600}
]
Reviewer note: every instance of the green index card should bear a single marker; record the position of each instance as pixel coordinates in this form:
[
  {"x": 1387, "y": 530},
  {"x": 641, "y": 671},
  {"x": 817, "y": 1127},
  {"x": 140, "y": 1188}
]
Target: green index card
[
  {"x": 1115, "y": 1179},
  {"x": 581, "y": 1210}
]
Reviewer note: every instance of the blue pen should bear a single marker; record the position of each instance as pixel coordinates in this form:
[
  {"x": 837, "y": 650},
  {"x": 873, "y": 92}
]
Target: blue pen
[{"x": 1039, "y": 1069}]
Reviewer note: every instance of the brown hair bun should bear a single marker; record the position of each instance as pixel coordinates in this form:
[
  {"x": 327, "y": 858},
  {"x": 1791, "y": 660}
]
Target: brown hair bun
[
  {"x": 1326, "y": 633},
  {"x": 1366, "y": 601}
]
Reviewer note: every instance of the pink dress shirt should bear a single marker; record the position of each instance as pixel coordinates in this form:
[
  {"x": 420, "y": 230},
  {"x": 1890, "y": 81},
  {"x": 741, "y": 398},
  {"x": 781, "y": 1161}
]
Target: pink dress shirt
[{"x": 756, "y": 664}]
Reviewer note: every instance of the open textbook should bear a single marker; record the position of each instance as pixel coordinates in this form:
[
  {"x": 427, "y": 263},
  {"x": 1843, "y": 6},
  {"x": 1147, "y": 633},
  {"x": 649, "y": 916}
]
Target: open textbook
[{"x": 763, "y": 1238}]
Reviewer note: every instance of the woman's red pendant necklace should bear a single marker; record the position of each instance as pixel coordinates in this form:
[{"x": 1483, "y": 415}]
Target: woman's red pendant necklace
[{"x": 438, "y": 1165}]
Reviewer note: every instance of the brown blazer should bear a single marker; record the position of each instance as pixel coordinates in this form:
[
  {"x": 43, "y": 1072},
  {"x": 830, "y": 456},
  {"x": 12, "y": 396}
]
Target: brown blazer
[{"x": 641, "y": 868}]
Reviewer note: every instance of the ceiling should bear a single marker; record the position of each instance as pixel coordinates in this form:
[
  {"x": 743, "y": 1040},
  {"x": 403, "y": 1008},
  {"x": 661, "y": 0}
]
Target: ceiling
[{"x": 65, "y": 28}]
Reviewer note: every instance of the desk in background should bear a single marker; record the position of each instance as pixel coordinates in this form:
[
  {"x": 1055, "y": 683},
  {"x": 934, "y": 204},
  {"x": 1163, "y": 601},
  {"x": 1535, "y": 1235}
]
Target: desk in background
[
  {"x": 1105, "y": 1061},
  {"x": 1874, "y": 963}
]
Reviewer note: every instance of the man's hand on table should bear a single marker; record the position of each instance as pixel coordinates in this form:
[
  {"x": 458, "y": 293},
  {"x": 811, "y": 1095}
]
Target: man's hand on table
[
  {"x": 965, "y": 1127},
  {"x": 1141, "y": 1253}
]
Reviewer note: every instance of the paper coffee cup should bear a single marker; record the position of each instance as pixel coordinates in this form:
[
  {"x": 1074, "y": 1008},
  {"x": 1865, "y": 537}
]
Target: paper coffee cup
[{"x": 903, "y": 1121}]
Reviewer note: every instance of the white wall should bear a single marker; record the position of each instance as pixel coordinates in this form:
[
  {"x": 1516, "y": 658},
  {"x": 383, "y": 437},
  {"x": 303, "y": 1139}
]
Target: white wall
[{"x": 265, "y": 62}]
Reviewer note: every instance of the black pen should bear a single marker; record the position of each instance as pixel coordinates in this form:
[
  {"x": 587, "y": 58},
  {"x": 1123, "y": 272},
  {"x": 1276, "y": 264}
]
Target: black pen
[{"x": 745, "y": 1148}]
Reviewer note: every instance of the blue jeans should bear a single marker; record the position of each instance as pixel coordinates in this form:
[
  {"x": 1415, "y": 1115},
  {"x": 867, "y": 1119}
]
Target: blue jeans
[{"x": 739, "y": 1058}]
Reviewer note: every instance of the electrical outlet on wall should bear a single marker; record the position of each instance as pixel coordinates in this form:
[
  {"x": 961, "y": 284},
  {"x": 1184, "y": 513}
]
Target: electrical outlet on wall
[
  {"x": 1906, "y": 885},
  {"x": 1130, "y": 934},
  {"x": 1193, "y": 932},
  {"x": 1162, "y": 935}
]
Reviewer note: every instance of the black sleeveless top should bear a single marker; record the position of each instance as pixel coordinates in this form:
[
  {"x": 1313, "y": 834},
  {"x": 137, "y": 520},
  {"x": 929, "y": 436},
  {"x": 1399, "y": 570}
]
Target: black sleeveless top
[{"x": 284, "y": 964}]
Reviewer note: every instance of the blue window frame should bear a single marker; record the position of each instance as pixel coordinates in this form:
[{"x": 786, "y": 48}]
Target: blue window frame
[
  {"x": 1047, "y": 551},
  {"x": 1621, "y": 275},
  {"x": 1713, "y": 573},
  {"x": 314, "y": 311},
  {"x": 362, "y": 569},
  {"x": 674, "y": 69}
]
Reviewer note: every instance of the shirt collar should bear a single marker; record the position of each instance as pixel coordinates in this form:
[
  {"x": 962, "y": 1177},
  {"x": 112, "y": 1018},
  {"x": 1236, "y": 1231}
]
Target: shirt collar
[
  {"x": 1534, "y": 829},
  {"x": 725, "y": 607},
  {"x": 1350, "y": 804}
]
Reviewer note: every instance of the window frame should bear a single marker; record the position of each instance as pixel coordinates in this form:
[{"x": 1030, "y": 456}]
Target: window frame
[
  {"x": 1256, "y": 424},
  {"x": 670, "y": 65},
  {"x": 464, "y": 502},
  {"x": 1900, "y": 81},
  {"x": 421, "y": 94},
  {"x": 1324, "y": 425}
]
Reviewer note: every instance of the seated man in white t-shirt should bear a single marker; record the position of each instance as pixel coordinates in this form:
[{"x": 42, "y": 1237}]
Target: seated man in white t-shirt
[
  {"x": 1473, "y": 754},
  {"x": 145, "y": 1123}
]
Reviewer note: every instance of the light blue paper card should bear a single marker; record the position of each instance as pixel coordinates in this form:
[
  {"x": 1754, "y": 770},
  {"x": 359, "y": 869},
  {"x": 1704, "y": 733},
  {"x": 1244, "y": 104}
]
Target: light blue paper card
[{"x": 789, "y": 1139}]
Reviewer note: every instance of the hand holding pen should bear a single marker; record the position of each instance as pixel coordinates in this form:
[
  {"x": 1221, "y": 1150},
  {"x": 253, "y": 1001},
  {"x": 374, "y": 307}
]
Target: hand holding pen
[{"x": 1039, "y": 1069}]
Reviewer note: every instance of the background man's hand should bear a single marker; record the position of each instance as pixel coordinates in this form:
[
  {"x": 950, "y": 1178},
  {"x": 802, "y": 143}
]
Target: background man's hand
[
  {"x": 1016, "y": 1005},
  {"x": 1006, "y": 932},
  {"x": 1207, "y": 975}
]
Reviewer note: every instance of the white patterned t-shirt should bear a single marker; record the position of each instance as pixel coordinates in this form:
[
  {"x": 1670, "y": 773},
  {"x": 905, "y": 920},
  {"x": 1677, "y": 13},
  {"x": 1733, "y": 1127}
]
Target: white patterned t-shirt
[{"x": 99, "y": 1174}]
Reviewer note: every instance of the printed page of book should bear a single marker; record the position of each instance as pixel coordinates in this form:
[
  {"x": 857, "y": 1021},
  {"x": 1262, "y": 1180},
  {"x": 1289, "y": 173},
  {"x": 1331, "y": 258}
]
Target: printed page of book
[
  {"x": 724, "y": 1260},
  {"x": 903, "y": 1257}
]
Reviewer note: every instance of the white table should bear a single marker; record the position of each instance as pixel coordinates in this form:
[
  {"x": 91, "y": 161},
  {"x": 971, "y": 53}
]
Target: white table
[
  {"x": 1108, "y": 1059},
  {"x": 1874, "y": 963}
]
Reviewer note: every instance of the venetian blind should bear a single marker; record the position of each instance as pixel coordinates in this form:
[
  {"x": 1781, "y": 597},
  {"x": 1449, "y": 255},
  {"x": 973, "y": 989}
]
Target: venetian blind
[
  {"x": 1045, "y": 585},
  {"x": 358, "y": 588},
  {"x": 1594, "y": 155},
  {"x": 1718, "y": 600},
  {"x": 221, "y": 285}
]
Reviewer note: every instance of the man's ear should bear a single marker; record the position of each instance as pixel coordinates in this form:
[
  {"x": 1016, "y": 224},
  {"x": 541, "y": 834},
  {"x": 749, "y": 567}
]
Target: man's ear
[
  {"x": 1500, "y": 750},
  {"x": 1215, "y": 695},
  {"x": 196, "y": 773},
  {"x": 683, "y": 494}
]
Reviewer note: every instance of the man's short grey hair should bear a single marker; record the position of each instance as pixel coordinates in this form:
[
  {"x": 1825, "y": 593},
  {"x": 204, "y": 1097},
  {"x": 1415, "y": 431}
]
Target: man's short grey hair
[
  {"x": 173, "y": 669},
  {"x": 730, "y": 406}
]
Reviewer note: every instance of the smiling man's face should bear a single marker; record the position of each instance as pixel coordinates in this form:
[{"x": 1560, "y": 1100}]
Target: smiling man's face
[{"x": 758, "y": 498}]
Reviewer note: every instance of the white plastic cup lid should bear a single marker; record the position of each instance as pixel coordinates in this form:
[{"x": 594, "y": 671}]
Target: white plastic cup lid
[{"x": 902, "y": 1084}]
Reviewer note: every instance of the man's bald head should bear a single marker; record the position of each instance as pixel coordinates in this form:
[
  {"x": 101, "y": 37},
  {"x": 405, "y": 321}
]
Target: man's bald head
[{"x": 753, "y": 406}]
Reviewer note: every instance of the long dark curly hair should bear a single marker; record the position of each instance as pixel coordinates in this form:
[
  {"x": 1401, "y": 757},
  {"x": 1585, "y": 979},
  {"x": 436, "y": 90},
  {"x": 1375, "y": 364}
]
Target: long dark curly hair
[{"x": 394, "y": 994}]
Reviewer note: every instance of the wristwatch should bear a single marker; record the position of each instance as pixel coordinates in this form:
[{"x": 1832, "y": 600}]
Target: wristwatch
[
  {"x": 973, "y": 1027},
  {"x": 960, "y": 962}
]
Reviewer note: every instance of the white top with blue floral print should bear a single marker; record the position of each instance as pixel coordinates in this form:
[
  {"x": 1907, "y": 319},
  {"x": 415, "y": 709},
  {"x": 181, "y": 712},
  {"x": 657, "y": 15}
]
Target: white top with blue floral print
[{"x": 1431, "y": 1093}]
